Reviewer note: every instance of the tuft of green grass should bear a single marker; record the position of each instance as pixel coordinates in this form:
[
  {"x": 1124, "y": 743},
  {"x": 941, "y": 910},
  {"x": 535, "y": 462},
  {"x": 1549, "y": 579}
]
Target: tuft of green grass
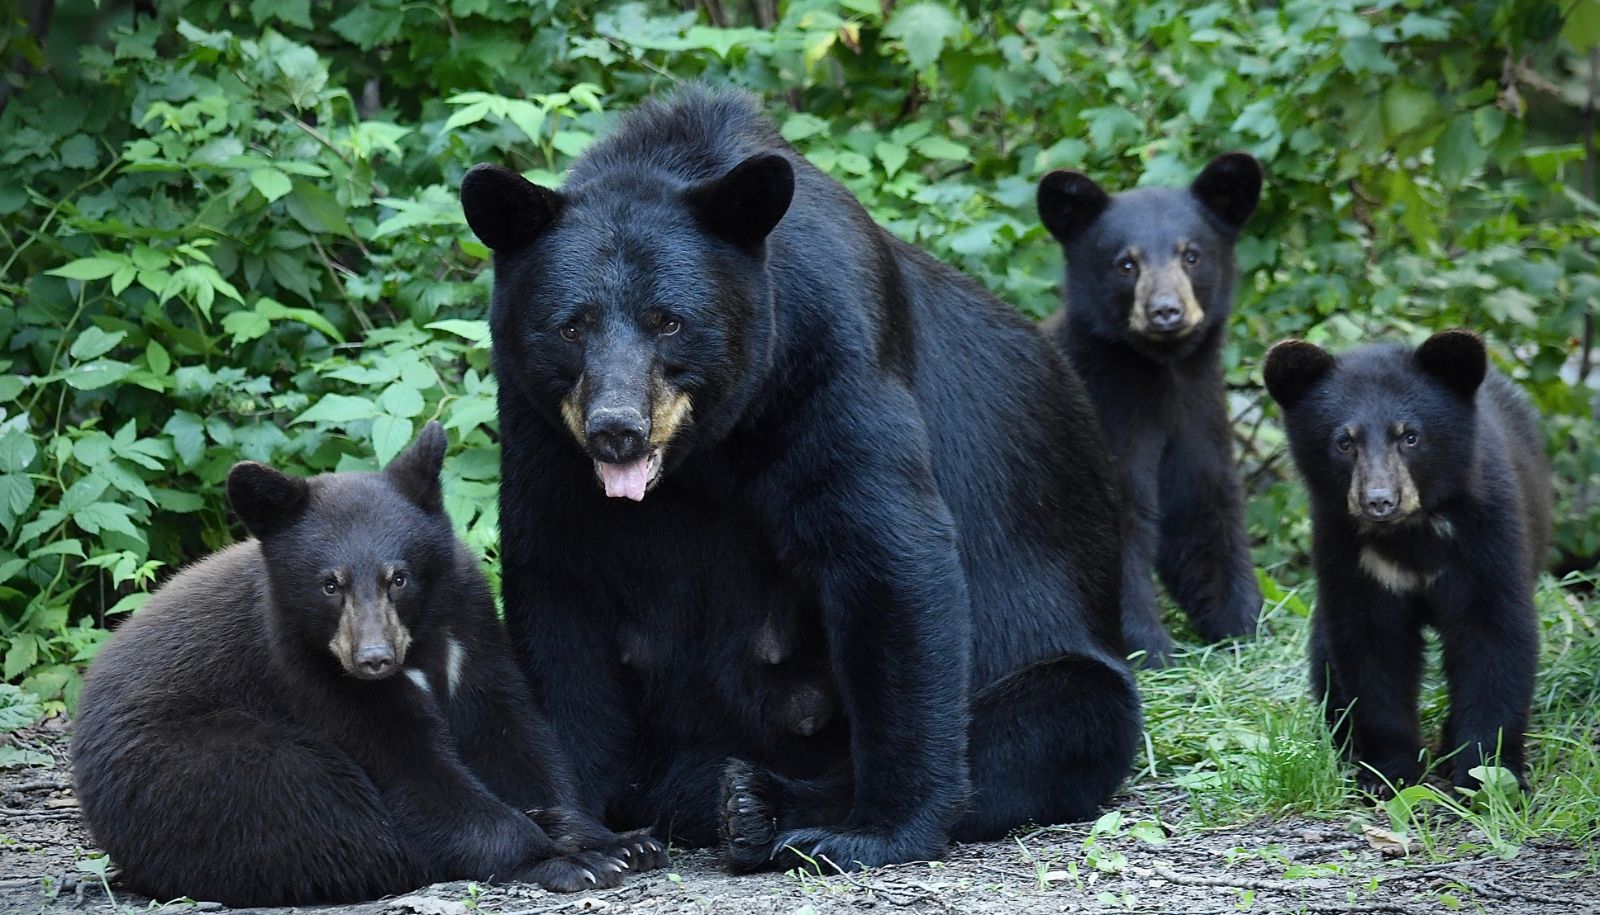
[{"x": 1235, "y": 725}]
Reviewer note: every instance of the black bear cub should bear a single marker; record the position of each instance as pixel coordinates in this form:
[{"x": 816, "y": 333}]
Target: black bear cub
[
  {"x": 1430, "y": 502},
  {"x": 1150, "y": 281},
  {"x": 330, "y": 712}
]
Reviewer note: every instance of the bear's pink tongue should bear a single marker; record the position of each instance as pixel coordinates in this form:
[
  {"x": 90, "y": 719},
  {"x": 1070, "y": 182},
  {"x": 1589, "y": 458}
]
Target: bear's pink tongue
[{"x": 625, "y": 480}]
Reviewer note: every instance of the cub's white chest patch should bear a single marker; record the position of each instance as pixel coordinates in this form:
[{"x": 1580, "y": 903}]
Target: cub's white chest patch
[
  {"x": 1392, "y": 575},
  {"x": 454, "y": 657},
  {"x": 419, "y": 678}
]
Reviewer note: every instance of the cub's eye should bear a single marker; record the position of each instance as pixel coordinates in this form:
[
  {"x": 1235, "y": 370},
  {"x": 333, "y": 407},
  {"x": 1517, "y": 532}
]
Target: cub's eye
[
  {"x": 398, "y": 580},
  {"x": 1410, "y": 438},
  {"x": 1127, "y": 267},
  {"x": 669, "y": 326},
  {"x": 569, "y": 333},
  {"x": 1343, "y": 444},
  {"x": 1191, "y": 257},
  {"x": 330, "y": 586}
]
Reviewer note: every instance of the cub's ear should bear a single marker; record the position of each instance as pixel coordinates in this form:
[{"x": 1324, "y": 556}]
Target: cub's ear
[
  {"x": 745, "y": 205},
  {"x": 1229, "y": 188},
  {"x": 1069, "y": 202},
  {"x": 266, "y": 500},
  {"x": 504, "y": 209},
  {"x": 415, "y": 471},
  {"x": 1292, "y": 367},
  {"x": 1455, "y": 357}
]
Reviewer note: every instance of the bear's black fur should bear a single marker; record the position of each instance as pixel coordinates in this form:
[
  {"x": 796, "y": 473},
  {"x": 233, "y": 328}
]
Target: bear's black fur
[
  {"x": 846, "y": 467},
  {"x": 329, "y": 713},
  {"x": 1430, "y": 502},
  {"x": 1150, "y": 281}
]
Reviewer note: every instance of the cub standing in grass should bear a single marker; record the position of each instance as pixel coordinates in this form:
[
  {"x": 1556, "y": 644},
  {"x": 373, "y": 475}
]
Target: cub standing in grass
[
  {"x": 1150, "y": 277},
  {"x": 1430, "y": 505},
  {"x": 329, "y": 712}
]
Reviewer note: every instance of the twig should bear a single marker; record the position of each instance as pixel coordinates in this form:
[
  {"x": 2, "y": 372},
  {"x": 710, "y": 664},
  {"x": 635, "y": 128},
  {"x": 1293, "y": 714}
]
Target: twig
[
  {"x": 9, "y": 814},
  {"x": 1485, "y": 887},
  {"x": 36, "y": 784},
  {"x": 1238, "y": 883}
]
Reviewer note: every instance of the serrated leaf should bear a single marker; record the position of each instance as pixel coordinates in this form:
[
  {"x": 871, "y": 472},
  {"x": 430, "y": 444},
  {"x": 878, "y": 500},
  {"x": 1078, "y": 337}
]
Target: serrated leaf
[
  {"x": 476, "y": 331},
  {"x": 923, "y": 28},
  {"x": 338, "y": 409},
  {"x": 188, "y": 436},
  {"x": 94, "y": 342},
  {"x": 892, "y": 155},
  {"x": 390, "y": 435},
  {"x": 87, "y": 268},
  {"x": 400, "y": 400},
  {"x": 940, "y": 148},
  {"x": 271, "y": 182},
  {"x": 90, "y": 376},
  {"x": 106, "y": 516}
]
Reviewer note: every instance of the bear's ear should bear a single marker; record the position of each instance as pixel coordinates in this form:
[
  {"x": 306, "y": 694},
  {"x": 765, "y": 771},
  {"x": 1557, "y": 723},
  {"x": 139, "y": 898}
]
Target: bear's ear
[
  {"x": 1229, "y": 188},
  {"x": 415, "y": 471},
  {"x": 1292, "y": 367},
  {"x": 745, "y": 205},
  {"x": 1069, "y": 202},
  {"x": 266, "y": 500},
  {"x": 504, "y": 209},
  {"x": 1455, "y": 357}
]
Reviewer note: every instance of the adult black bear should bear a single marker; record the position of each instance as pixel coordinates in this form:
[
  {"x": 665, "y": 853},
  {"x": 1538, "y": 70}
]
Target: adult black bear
[
  {"x": 329, "y": 713},
  {"x": 1150, "y": 277},
  {"x": 831, "y": 457},
  {"x": 1430, "y": 505}
]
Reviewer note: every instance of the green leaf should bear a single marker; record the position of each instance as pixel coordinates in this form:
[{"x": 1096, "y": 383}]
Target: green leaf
[
  {"x": 94, "y": 342},
  {"x": 87, "y": 268},
  {"x": 246, "y": 326},
  {"x": 23, "y": 654},
  {"x": 1581, "y": 29},
  {"x": 476, "y": 331},
  {"x": 400, "y": 400},
  {"x": 338, "y": 409},
  {"x": 1457, "y": 152},
  {"x": 923, "y": 28},
  {"x": 317, "y": 211},
  {"x": 798, "y": 127},
  {"x": 157, "y": 358},
  {"x": 892, "y": 155},
  {"x": 941, "y": 148},
  {"x": 89, "y": 376},
  {"x": 390, "y": 435},
  {"x": 106, "y": 516},
  {"x": 271, "y": 182},
  {"x": 188, "y": 436},
  {"x": 173, "y": 500},
  {"x": 1405, "y": 108}
]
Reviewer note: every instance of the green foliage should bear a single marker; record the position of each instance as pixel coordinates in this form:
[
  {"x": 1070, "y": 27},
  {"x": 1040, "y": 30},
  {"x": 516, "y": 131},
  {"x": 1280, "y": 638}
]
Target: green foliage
[{"x": 229, "y": 229}]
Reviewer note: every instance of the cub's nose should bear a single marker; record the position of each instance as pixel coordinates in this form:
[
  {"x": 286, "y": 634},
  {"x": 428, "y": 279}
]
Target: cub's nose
[
  {"x": 1379, "y": 503},
  {"x": 617, "y": 435},
  {"x": 1165, "y": 313},
  {"x": 375, "y": 661}
]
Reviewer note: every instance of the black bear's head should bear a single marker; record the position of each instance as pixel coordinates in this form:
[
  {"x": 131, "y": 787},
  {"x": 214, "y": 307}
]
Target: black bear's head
[
  {"x": 354, "y": 560},
  {"x": 1383, "y": 433},
  {"x": 633, "y": 308},
  {"x": 1152, "y": 267}
]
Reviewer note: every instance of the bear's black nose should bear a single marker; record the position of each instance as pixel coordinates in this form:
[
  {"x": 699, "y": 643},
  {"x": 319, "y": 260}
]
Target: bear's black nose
[
  {"x": 617, "y": 435},
  {"x": 1380, "y": 503},
  {"x": 375, "y": 660},
  {"x": 1165, "y": 313}
]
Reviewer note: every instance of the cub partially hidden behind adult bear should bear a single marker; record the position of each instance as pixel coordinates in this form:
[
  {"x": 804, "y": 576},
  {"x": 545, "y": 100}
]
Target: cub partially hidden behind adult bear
[
  {"x": 1430, "y": 505},
  {"x": 329, "y": 712}
]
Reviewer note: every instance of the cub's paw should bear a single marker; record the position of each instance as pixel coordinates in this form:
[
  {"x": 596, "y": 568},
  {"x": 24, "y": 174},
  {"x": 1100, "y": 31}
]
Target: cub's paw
[
  {"x": 584, "y": 870},
  {"x": 749, "y": 824}
]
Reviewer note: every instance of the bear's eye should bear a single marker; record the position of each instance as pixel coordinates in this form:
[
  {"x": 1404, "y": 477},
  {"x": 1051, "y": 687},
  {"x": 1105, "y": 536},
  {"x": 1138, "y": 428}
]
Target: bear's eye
[
  {"x": 1191, "y": 257},
  {"x": 1127, "y": 267},
  {"x": 330, "y": 586},
  {"x": 1410, "y": 438},
  {"x": 570, "y": 333},
  {"x": 669, "y": 326},
  {"x": 1343, "y": 444},
  {"x": 398, "y": 580}
]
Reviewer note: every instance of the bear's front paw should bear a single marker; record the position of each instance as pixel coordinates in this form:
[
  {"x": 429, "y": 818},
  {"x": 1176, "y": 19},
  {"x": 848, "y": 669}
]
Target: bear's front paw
[
  {"x": 829, "y": 851},
  {"x": 749, "y": 823},
  {"x": 584, "y": 870},
  {"x": 639, "y": 850}
]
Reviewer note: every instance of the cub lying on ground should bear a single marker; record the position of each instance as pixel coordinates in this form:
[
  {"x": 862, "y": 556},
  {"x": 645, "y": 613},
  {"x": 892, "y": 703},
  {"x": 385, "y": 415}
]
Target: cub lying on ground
[
  {"x": 330, "y": 712},
  {"x": 1430, "y": 505}
]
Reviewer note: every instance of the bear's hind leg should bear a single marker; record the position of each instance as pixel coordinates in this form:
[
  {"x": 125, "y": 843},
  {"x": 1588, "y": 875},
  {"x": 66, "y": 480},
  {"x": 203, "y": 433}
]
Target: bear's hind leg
[{"x": 1049, "y": 744}]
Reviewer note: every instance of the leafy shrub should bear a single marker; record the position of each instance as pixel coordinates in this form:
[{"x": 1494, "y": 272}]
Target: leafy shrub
[{"x": 230, "y": 228}]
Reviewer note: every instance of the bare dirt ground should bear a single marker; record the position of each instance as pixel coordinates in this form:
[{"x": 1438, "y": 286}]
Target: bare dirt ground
[{"x": 1290, "y": 865}]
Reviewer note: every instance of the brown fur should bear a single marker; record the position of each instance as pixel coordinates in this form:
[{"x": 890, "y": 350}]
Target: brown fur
[
  {"x": 1382, "y": 471},
  {"x": 369, "y": 624},
  {"x": 1152, "y": 281}
]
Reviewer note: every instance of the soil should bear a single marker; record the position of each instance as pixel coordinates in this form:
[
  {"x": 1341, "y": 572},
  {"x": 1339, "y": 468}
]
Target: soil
[{"x": 1285, "y": 865}]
